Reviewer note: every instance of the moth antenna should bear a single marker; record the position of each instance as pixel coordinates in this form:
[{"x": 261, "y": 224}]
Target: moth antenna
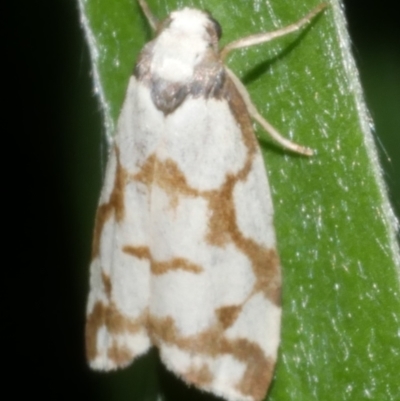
[
  {"x": 151, "y": 18},
  {"x": 268, "y": 36}
]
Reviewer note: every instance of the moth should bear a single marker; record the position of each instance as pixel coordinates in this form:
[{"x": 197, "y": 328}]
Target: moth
[{"x": 184, "y": 252}]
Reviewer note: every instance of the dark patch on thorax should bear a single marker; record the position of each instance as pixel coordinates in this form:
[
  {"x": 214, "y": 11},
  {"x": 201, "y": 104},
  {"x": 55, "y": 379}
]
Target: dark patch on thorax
[{"x": 207, "y": 81}]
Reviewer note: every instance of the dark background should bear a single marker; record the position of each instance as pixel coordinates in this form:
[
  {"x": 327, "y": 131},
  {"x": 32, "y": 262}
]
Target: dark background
[{"x": 56, "y": 147}]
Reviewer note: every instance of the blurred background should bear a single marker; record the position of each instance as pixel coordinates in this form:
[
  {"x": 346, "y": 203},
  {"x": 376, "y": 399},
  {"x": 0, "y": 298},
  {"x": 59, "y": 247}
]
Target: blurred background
[{"x": 60, "y": 146}]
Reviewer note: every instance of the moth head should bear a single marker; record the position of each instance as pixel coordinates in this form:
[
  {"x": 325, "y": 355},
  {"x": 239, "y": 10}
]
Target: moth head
[{"x": 190, "y": 22}]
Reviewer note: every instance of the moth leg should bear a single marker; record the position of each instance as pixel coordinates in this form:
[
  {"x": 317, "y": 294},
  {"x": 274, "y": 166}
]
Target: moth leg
[{"x": 273, "y": 132}]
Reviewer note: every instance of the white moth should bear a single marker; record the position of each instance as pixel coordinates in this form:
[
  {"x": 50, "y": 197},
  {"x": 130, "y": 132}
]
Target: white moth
[{"x": 184, "y": 253}]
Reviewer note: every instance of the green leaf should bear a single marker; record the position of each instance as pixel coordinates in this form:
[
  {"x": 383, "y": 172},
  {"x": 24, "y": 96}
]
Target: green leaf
[{"x": 335, "y": 228}]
